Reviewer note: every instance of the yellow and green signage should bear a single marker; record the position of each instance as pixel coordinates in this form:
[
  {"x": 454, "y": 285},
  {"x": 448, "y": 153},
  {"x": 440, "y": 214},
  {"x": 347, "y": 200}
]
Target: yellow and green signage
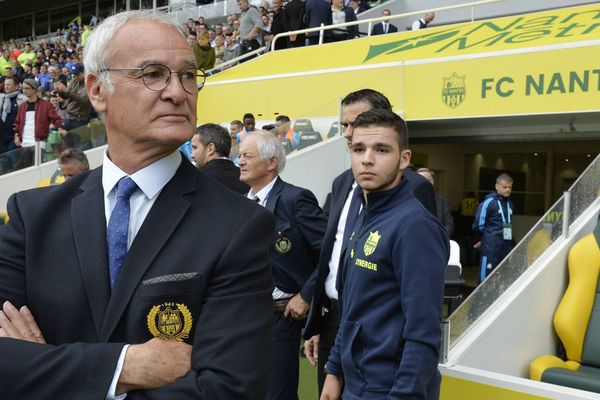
[{"x": 546, "y": 62}]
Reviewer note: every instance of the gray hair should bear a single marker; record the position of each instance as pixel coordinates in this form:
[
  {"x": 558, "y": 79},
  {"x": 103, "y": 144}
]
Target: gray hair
[
  {"x": 97, "y": 52},
  {"x": 269, "y": 146}
]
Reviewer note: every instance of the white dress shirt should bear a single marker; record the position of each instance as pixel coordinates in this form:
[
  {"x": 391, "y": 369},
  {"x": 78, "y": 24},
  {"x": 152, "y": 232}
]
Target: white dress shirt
[
  {"x": 150, "y": 181},
  {"x": 336, "y": 252}
]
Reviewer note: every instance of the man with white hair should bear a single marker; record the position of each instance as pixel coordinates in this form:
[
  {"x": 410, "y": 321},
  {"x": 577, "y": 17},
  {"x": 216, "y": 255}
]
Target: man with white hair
[
  {"x": 294, "y": 255},
  {"x": 136, "y": 279}
]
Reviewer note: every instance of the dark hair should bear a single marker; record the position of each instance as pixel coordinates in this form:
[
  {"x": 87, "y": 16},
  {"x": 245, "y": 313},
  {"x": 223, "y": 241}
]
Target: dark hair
[
  {"x": 14, "y": 79},
  {"x": 282, "y": 118},
  {"x": 74, "y": 155},
  {"x": 248, "y": 115},
  {"x": 373, "y": 97},
  {"x": 384, "y": 118},
  {"x": 217, "y": 135}
]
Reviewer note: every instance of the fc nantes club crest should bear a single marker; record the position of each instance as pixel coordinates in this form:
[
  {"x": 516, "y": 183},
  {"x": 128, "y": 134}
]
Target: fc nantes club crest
[
  {"x": 454, "y": 90},
  {"x": 170, "y": 321},
  {"x": 371, "y": 243}
]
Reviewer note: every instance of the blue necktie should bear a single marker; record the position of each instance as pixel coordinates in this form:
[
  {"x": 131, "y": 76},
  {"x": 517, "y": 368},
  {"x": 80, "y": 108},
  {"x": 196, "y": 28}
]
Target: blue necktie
[
  {"x": 118, "y": 226},
  {"x": 353, "y": 210}
]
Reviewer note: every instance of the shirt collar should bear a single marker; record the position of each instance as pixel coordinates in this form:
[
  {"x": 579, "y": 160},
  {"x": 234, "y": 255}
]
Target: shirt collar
[
  {"x": 264, "y": 192},
  {"x": 150, "y": 179}
]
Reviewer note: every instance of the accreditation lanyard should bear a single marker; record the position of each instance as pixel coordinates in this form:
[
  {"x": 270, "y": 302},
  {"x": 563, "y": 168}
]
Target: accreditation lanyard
[{"x": 506, "y": 226}]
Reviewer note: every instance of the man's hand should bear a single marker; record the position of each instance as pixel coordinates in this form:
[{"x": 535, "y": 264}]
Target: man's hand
[
  {"x": 297, "y": 308},
  {"x": 293, "y": 38},
  {"x": 19, "y": 324},
  {"x": 332, "y": 388},
  {"x": 477, "y": 245},
  {"x": 311, "y": 350},
  {"x": 17, "y": 141},
  {"x": 63, "y": 132},
  {"x": 154, "y": 364}
]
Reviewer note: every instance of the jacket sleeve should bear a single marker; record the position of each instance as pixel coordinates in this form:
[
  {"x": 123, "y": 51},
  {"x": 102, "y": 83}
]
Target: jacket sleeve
[
  {"x": 45, "y": 371},
  {"x": 53, "y": 116},
  {"x": 311, "y": 222},
  {"x": 420, "y": 259},
  {"x": 425, "y": 193}
]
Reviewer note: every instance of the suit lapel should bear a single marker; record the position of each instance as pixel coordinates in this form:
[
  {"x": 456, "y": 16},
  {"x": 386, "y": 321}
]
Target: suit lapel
[
  {"x": 274, "y": 195},
  {"x": 89, "y": 231},
  {"x": 338, "y": 203},
  {"x": 162, "y": 220}
]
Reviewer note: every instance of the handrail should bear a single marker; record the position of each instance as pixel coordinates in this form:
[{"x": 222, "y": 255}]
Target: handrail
[
  {"x": 378, "y": 19},
  {"x": 219, "y": 68}
]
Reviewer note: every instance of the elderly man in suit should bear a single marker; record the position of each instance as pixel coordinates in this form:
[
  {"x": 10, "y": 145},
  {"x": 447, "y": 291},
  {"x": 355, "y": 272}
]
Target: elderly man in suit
[
  {"x": 137, "y": 278},
  {"x": 300, "y": 226},
  {"x": 343, "y": 207},
  {"x": 383, "y": 28},
  {"x": 211, "y": 146}
]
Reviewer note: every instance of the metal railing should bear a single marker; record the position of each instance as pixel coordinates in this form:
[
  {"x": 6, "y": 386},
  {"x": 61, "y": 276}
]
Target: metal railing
[
  {"x": 370, "y": 21},
  {"x": 553, "y": 225},
  {"x": 323, "y": 28}
]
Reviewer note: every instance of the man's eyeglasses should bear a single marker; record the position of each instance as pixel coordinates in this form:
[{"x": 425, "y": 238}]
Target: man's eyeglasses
[{"x": 156, "y": 77}]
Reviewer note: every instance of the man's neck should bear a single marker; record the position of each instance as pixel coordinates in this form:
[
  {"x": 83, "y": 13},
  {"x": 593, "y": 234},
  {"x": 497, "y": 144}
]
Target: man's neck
[{"x": 257, "y": 187}]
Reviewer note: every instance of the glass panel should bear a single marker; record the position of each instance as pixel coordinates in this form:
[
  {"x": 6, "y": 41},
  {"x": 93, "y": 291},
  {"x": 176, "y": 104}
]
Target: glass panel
[
  {"x": 585, "y": 190},
  {"x": 16, "y": 159}
]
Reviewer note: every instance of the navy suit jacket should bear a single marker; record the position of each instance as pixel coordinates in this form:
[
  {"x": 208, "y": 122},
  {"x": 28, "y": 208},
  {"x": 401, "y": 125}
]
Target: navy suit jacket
[
  {"x": 317, "y": 12},
  {"x": 192, "y": 252},
  {"x": 300, "y": 225},
  {"x": 422, "y": 190},
  {"x": 226, "y": 173},
  {"x": 378, "y": 29}
]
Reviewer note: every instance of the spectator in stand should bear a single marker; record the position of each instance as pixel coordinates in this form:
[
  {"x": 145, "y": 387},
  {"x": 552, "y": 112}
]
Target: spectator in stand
[
  {"x": 341, "y": 14},
  {"x": 53, "y": 74},
  {"x": 219, "y": 49},
  {"x": 383, "y": 28},
  {"x": 33, "y": 122},
  {"x": 294, "y": 12},
  {"x": 422, "y": 23},
  {"x": 279, "y": 24},
  {"x": 44, "y": 77},
  {"x": 10, "y": 100},
  {"x": 27, "y": 55},
  {"x": 212, "y": 145},
  {"x": 5, "y": 62},
  {"x": 232, "y": 48},
  {"x": 205, "y": 55},
  {"x": 317, "y": 12},
  {"x": 72, "y": 162},
  {"x": 251, "y": 27},
  {"x": 87, "y": 30},
  {"x": 286, "y": 132},
  {"x": 79, "y": 109}
]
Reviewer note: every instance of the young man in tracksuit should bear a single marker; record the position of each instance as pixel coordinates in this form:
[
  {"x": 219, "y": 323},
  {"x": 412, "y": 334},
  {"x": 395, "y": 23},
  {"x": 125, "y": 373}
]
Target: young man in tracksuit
[
  {"x": 388, "y": 342},
  {"x": 493, "y": 219}
]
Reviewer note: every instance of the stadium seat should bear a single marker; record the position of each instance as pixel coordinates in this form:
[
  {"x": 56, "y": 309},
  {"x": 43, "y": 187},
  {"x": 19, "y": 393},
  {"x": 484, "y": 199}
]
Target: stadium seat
[
  {"x": 302, "y": 126},
  {"x": 333, "y": 130},
  {"x": 577, "y": 323},
  {"x": 287, "y": 146},
  {"x": 308, "y": 139}
]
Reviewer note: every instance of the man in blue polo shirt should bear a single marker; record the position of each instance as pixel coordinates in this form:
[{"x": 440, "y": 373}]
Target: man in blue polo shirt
[{"x": 387, "y": 345}]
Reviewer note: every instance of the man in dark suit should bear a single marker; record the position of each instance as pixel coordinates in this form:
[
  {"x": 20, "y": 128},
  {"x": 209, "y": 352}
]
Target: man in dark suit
[
  {"x": 323, "y": 319},
  {"x": 136, "y": 278},
  {"x": 383, "y": 28},
  {"x": 317, "y": 12},
  {"x": 211, "y": 146},
  {"x": 300, "y": 225},
  {"x": 294, "y": 13},
  {"x": 279, "y": 24}
]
